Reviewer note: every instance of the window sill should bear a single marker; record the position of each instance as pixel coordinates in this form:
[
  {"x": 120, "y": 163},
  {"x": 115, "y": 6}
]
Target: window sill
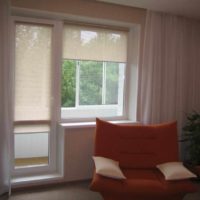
[
  {"x": 93, "y": 124},
  {"x": 18, "y": 182}
]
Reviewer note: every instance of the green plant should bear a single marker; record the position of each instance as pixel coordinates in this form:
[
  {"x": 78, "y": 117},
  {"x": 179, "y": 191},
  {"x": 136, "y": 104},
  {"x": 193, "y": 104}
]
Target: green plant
[{"x": 192, "y": 134}]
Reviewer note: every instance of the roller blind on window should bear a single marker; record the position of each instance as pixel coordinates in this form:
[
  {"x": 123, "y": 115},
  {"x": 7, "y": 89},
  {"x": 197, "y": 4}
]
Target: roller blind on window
[
  {"x": 32, "y": 72},
  {"x": 92, "y": 43}
]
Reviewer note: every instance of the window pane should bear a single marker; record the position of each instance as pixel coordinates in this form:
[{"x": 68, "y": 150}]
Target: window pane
[
  {"x": 92, "y": 89},
  {"x": 31, "y": 149},
  {"x": 68, "y": 83},
  {"x": 97, "y": 81},
  {"x": 90, "y": 83},
  {"x": 112, "y": 82},
  {"x": 32, "y": 103},
  {"x": 32, "y": 72}
]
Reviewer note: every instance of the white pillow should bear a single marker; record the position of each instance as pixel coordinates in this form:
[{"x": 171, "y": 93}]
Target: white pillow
[
  {"x": 175, "y": 171},
  {"x": 108, "y": 167}
]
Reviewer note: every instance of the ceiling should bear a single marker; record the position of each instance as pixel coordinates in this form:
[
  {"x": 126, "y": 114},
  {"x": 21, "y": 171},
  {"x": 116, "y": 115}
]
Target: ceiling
[{"x": 188, "y": 8}]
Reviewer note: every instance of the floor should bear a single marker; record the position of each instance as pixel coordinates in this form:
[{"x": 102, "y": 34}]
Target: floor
[{"x": 69, "y": 191}]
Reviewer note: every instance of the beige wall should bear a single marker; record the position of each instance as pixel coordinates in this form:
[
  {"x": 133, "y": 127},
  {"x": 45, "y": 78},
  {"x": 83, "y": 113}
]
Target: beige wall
[
  {"x": 78, "y": 152},
  {"x": 88, "y": 8}
]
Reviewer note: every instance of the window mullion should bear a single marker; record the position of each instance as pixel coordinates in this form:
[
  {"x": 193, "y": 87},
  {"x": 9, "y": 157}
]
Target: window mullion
[
  {"x": 120, "y": 85},
  {"x": 104, "y": 84},
  {"x": 77, "y": 83}
]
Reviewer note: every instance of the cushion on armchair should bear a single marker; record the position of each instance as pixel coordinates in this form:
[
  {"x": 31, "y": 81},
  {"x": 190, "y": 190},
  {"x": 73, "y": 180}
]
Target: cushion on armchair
[
  {"x": 175, "y": 171},
  {"x": 108, "y": 168}
]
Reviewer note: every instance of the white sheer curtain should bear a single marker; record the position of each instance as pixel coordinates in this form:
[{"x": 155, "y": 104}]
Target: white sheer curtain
[
  {"x": 4, "y": 98},
  {"x": 169, "y": 78}
]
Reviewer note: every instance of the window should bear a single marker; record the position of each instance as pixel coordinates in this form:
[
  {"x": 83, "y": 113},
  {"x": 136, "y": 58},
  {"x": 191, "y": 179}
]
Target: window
[
  {"x": 93, "y": 72},
  {"x": 33, "y": 126},
  {"x": 80, "y": 76}
]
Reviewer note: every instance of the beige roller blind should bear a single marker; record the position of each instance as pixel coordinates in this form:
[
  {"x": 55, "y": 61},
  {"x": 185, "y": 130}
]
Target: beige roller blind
[
  {"x": 32, "y": 72},
  {"x": 94, "y": 43},
  {"x": 34, "y": 128}
]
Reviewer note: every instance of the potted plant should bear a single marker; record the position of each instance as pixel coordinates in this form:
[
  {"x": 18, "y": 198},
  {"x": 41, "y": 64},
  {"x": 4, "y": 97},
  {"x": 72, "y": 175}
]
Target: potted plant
[{"x": 192, "y": 135}]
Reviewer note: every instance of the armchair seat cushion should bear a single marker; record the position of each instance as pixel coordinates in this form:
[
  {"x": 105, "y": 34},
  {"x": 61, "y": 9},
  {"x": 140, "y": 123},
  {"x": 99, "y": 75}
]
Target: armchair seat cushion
[{"x": 142, "y": 183}]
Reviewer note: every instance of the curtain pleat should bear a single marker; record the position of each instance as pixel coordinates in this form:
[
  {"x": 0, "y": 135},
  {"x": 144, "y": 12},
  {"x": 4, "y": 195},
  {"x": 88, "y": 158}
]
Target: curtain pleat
[{"x": 169, "y": 85}]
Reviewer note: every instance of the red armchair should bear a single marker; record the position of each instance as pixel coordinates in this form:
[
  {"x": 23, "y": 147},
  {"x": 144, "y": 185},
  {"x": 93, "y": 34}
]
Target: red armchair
[{"x": 138, "y": 149}]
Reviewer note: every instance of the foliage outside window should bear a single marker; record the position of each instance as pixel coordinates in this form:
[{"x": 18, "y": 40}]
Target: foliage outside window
[
  {"x": 97, "y": 83},
  {"x": 192, "y": 134}
]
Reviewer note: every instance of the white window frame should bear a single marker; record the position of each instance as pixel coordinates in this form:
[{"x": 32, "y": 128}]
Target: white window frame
[{"x": 55, "y": 61}]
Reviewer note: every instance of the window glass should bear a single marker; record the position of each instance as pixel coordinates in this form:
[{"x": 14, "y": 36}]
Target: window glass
[
  {"x": 32, "y": 100},
  {"x": 68, "y": 91},
  {"x": 32, "y": 72},
  {"x": 112, "y": 83},
  {"x": 31, "y": 149},
  {"x": 92, "y": 88},
  {"x": 90, "y": 83},
  {"x": 93, "y": 72}
]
